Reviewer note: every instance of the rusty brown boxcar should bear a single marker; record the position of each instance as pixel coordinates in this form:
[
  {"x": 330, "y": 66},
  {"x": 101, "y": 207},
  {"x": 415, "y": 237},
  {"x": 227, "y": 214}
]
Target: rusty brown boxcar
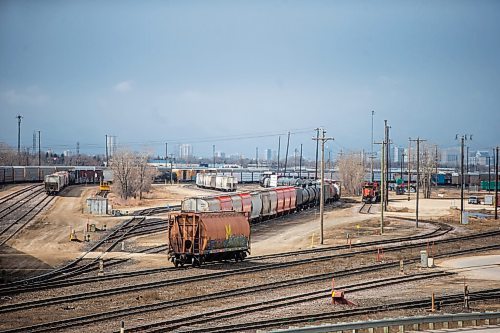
[{"x": 195, "y": 238}]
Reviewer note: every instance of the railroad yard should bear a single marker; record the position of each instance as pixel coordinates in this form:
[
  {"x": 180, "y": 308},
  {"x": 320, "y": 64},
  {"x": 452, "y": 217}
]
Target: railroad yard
[{"x": 123, "y": 272}]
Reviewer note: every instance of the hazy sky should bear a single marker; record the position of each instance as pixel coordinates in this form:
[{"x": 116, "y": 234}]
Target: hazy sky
[{"x": 191, "y": 71}]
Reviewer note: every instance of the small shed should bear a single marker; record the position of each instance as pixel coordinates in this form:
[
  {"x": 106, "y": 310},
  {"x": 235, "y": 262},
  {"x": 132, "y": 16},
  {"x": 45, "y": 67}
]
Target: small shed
[{"x": 98, "y": 206}]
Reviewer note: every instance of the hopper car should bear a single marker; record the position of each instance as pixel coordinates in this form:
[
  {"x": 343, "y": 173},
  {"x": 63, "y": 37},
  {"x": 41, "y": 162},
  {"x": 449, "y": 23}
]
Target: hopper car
[
  {"x": 55, "y": 182},
  {"x": 195, "y": 238},
  {"x": 264, "y": 204}
]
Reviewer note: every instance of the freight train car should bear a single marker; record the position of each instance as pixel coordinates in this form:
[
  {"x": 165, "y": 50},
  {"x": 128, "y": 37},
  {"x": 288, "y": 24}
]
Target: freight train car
[
  {"x": 216, "y": 182},
  {"x": 264, "y": 204},
  {"x": 195, "y": 238},
  {"x": 55, "y": 182}
]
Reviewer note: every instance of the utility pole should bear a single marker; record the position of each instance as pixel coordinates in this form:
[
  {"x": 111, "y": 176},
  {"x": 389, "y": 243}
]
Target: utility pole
[
  {"x": 436, "y": 162},
  {"x": 34, "y": 142},
  {"x": 279, "y": 148},
  {"x": 372, "y": 156},
  {"x": 39, "y": 150},
  {"x": 323, "y": 139},
  {"x": 77, "y": 152},
  {"x": 317, "y": 148},
  {"x": 213, "y": 151},
  {"x": 463, "y": 138},
  {"x": 166, "y": 153},
  {"x": 402, "y": 162},
  {"x": 418, "y": 140},
  {"x": 496, "y": 184},
  {"x": 382, "y": 183},
  {"x": 385, "y": 197},
  {"x": 286, "y": 155},
  {"x": 382, "y": 187},
  {"x": 467, "y": 159},
  {"x": 19, "y": 117},
  {"x": 171, "y": 168},
  {"x": 300, "y": 162},
  {"x": 107, "y": 157},
  {"x": 489, "y": 172},
  {"x": 257, "y": 156},
  {"x": 409, "y": 167},
  {"x": 39, "y": 158}
]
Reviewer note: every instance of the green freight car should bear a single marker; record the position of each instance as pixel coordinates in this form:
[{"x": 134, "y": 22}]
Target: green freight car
[{"x": 486, "y": 185}]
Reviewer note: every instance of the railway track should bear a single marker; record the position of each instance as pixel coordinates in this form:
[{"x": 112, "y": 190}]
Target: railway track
[
  {"x": 20, "y": 209},
  {"x": 156, "y": 210},
  {"x": 129, "y": 311},
  {"x": 196, "y": 299},
  {"x": 15, "y": 227},
  {"x": 56, "y": 283},
  {"x": 365, "y": 208},
  {"x": 16, "y": 202},
  {"x": 424, "y": 303},
  {"x": 18, "y": 193},
  {"x": 48, "y": 283},
  {"x": 73, "y": 268},
  {"x": 279, "y": 302},
  {"x": 218, "y": 275}
]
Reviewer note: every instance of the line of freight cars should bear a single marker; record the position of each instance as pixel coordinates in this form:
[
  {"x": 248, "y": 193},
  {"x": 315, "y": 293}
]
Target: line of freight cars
[
  {"x": 218, "y": 227},
  {"x": 264, "y": 204},
  {"x": 216, "y": 182},
  {"x": 25, "y": 174}
]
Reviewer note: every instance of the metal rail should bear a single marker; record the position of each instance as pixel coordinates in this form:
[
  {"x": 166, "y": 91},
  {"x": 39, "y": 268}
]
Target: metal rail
[
  {"x": 19, "y": 203},
  {"x": 40, "y": 205},
  {"x": 279, "y": 302},
  {"x": 421, "y": 303},
  {"x": 164, "y": 283},
  {"x": 193, "y": 300},
  {"x": 17, "y": 193},
  {"x": 420, "y": 320},
  {"x": 365, "y": 208}
]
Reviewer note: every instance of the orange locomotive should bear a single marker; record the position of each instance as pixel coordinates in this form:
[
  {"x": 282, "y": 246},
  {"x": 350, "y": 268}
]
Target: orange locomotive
[{"x": 371, "y": 192}]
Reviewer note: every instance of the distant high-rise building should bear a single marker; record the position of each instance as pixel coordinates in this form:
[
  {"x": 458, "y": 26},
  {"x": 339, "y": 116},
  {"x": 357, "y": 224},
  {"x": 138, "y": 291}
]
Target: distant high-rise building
[
  {"x": 269, "y": 154},
  {"x": 481, "y": 157},
  {"x": 111, "y": 145},
  {"x": 450, "y": 156},
  {"x": 185, "y": 151},
  {"x": 397, "y": 154}
]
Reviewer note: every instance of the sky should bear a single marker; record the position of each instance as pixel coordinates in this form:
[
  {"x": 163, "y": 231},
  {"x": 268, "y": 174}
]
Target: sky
[{"x": 239, "y": 73}]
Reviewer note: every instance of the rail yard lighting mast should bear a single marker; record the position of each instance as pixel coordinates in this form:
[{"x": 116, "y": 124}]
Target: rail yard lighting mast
[
  {"x": 496, "y": 183},
  {"x": 323, "y": 139},
  {"x": 372, "y": 156}
]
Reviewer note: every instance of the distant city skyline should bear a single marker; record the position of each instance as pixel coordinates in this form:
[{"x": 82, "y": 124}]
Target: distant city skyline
[{"x": 237, "y": 74}]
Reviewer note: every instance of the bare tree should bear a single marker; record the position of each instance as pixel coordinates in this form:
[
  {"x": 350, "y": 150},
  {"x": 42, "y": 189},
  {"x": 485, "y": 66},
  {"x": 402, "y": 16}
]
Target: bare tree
[
  {"x": 8, "y": 156},
  {"x": 143, "y": 174},
  {"x": 122, "y": 165},
  {"x": 427, "y": 167},
  {"x": 351, "y": 172},
  {"x": 132, "y": 175}
]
